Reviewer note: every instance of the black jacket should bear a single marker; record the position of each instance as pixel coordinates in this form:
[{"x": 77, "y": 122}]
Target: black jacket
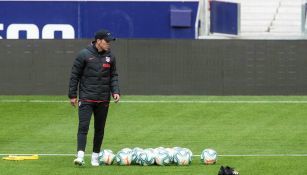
[{"x": 94, "y": 74}]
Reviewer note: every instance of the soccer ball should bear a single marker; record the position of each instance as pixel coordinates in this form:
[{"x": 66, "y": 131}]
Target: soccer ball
[
  {"x": 189, "y": 152},
  {"x": 126, "y": 150},
  {"x": 135, "y": 155},
  {"x": 106, "y": 157},
  {"x": 177, "y": 148},
  {"x": 162, "y": 157},
  {"x": 208, "y": 156},
  {"x": 156, "y": 150},
  {"x": 182, "y": 157},
  {"x": 146, "y": 157},
  {"x": 171, "y": 153},
  {"x": 123, "y": 157}
]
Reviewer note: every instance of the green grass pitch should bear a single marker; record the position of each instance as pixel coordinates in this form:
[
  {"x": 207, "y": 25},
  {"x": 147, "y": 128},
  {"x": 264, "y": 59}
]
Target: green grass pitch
[{"x": 270, "y": 127}]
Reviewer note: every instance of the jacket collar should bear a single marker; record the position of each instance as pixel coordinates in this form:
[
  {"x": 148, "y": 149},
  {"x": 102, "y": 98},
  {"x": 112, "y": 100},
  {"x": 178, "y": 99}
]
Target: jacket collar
[{"x": 93, "y": 49}]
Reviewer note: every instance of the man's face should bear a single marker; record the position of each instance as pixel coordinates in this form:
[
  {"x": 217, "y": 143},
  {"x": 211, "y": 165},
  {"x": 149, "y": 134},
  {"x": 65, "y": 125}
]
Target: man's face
[{"x": 103, "y": 44}]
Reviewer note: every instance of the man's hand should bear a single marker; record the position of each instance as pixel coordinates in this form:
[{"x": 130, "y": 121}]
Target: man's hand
[
  {"x": 116, "y": 97},
  {"x": 74, "y": 102}
]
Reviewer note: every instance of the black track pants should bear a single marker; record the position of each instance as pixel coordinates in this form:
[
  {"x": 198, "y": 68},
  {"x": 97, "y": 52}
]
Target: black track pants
[{"x": 100, "y": 111}]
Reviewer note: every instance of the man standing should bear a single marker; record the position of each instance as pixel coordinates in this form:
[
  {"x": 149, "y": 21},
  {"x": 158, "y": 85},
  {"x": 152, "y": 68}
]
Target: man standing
[{"x": 94, "y": 75}]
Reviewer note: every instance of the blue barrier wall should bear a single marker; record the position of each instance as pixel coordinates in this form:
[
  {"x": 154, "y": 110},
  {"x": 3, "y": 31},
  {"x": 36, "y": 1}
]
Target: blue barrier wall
[{"x": 80, "y": 19}]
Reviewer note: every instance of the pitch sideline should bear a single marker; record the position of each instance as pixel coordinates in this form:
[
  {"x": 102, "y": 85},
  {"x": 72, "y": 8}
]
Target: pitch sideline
[{"x": 172, "y": 101}]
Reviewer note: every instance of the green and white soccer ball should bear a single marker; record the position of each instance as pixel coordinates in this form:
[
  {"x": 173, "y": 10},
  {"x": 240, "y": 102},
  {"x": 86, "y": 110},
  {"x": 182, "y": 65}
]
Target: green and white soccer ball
[
  {"x": 162, "y": 157},
  {"x": 189, "y": 152},
  {"x": 126, "y": 150},
  {"x": 186, "y": 149},
  {"x": 208, "y": 156},
  {"x": 177, "y": 148},
  {"x": 124, "y": 157},
  {"x": 106, "y": 157},
  {"x": 156, "y": 150},
  {"x": 182, "y": 157},
  {"x": 171, "y": 153},
  {"x": 135, "y": 155},
  {"x": 146, "y": 158}
]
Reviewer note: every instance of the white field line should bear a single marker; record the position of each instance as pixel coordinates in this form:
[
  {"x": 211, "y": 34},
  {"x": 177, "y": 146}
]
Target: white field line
[
  {"x": 171, "y": 101},
  {"x": 225, "y": 155}
]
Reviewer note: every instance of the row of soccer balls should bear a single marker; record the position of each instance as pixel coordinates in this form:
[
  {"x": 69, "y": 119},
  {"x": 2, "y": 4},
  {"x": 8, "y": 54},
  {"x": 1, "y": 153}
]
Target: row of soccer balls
[{"x": 158, "y": 156}]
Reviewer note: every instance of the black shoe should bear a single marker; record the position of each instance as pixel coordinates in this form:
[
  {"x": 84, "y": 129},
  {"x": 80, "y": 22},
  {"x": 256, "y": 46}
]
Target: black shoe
[{"x": 227, "y": 171}]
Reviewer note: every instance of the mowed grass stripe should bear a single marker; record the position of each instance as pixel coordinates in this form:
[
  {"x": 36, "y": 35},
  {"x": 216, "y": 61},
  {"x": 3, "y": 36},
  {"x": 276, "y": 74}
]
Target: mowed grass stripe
[
  {"x": 161, "y": 101},
  {"x": 229, "y": 128}
]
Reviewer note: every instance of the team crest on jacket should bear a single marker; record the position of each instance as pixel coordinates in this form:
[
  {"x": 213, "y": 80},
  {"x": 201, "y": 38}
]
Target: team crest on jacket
[{"x": 108, "y": 59}]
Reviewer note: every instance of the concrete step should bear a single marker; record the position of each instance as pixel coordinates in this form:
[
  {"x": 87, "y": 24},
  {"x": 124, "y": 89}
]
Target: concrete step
[
  {"x": 254, "y": 17},
  {"x": 260, "y": 5},
  {"x": 286, "y": 26},
  {"x": 291, "y": 29},
  {"x": 254, "y": 28},
  {"x": 255, "y": 22},
  {"x": 296, "y": 10},
  {"x": 256, "y": 34},
  {"x": 284, "y": 16},
  {"x": 291, "y": 2},
  {"x": 286, "y": 22},
  {"x": 259, "y": 9}
]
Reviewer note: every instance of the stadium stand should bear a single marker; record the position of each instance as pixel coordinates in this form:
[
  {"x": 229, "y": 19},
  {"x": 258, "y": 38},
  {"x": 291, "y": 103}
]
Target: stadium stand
[
  {"x": 269, "y": 19},
  {"x": 274, "y": 17}
]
